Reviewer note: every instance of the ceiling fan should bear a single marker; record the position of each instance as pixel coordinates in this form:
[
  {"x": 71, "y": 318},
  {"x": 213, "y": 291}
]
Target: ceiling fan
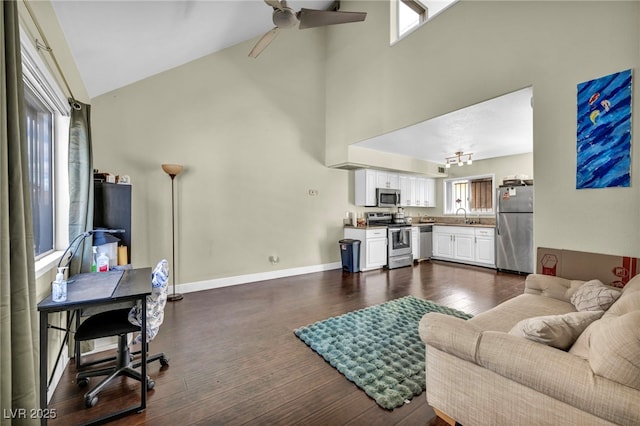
[{"x": 284, "y": 18}]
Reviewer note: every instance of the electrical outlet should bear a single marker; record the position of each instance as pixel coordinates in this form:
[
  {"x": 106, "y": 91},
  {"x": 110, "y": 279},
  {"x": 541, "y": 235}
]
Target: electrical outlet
[
  {"x": 274, "y": 259},
  {"x": 313, "y": 192}
]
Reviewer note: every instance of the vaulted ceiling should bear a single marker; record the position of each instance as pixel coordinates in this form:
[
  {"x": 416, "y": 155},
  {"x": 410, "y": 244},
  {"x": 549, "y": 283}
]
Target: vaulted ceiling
[{"x": 116, "y": 43}]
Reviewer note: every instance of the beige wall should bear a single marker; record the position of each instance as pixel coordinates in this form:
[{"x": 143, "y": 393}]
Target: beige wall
[
  {"x": 254, "y": 135},
  {"x": 251, "y": 134},
  {"x": 477, "y": 51}
]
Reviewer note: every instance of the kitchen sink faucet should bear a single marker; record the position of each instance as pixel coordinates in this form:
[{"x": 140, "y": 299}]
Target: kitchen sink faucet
[{"x": 465, "y": 213}]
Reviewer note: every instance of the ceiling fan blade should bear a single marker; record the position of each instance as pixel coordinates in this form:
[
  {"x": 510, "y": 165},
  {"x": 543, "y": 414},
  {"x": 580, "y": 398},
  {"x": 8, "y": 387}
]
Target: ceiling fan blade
[
  {"x": 310, "y": 18},
  {"x": 276, "y": 4},
  {"x": 264, "y": 41}
]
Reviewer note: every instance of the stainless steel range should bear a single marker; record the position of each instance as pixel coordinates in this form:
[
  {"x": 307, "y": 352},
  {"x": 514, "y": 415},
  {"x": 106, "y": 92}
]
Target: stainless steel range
[{"x": 399, "y": 250}]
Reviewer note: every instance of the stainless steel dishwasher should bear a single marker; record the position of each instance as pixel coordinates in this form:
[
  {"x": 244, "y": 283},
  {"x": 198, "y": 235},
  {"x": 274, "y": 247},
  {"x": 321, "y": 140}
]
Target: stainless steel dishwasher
[{"x": 426, "y": 242}]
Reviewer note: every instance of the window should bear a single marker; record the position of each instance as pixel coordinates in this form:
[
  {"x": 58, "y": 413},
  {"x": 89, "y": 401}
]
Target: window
[
  {"x": 39, "y": 119},
  {"x": 406, "y": 15},
  {"x": 474, "y": 194},
  {"x": 46, "y": 111},
  {"x": 410, "y": 14}
]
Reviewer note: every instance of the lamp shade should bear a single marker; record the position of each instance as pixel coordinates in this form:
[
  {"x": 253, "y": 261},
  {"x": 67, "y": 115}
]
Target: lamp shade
[{"x": 172, "y": 169}]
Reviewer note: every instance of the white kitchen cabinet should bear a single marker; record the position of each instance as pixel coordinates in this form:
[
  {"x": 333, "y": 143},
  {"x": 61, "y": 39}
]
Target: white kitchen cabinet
[
  {"x": 415, "y": 191},
  {"x": 442, "y": 243},
  {"x": 424, "y": 192},
  {"x": 465, "y": 244},
  {"x": 387, "y": 180},
  {"x": 373, "y": 246},
  {"x": 367, "y": 180},
  {"x": 486, "y": 246},
  {"x": 429, "y": 199},
  {"x": 415, "y": 242},
  {"x": 404, "y": 181},
  {"x": 464, "y": 248}
]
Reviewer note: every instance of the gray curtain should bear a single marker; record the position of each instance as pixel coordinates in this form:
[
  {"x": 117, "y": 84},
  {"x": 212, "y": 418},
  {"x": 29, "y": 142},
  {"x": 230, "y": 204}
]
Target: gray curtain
[
  {"x": 18, "y": 317},
  {"x": 80, "y": 183}
]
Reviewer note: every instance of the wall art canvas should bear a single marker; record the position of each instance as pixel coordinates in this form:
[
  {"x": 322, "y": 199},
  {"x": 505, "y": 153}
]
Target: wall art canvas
[{"x": 604, "y": 132}]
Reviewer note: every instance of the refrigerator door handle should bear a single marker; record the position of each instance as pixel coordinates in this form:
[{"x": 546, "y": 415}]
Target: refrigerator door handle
[{"x": 498, "y": 213}]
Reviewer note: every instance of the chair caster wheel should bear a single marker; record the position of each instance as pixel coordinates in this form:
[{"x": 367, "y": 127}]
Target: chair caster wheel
[
  {"x": 164, "y": 361},
  {"x": 90, "y": 402},
  {"x": 83, "y": 382},
  {"x": 150, "y": 384}
]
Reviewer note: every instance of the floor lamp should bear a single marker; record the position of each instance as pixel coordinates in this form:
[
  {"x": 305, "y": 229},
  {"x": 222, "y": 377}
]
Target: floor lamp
[{"x": 173, "y": 170}]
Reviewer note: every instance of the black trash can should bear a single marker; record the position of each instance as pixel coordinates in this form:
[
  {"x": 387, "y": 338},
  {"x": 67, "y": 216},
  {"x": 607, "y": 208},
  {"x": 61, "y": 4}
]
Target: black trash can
[{"x": 350, "y": 253}]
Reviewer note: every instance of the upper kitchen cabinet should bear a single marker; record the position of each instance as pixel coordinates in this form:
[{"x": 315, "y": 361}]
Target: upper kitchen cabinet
[
  {"x": 416, "y": 191},
  {"x": 387, "y": 180},
  {"x": 367, "y": 180}
]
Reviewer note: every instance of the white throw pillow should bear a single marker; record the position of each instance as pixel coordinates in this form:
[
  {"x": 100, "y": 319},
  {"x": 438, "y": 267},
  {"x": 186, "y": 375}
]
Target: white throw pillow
[
  {"x": 594, "y": 296},
  {"x": 558, "y": 331}
]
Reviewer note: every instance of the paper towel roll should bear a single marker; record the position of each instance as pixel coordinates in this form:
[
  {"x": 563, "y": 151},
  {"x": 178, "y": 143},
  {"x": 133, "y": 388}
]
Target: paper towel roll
[{"x": 122, "y": 255}]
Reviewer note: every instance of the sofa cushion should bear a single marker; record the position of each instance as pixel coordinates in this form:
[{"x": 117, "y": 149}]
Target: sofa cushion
[
  {"x": 614, "y": 349},
  {"x": 504, "y": 316},
  {"x": 628, "y": 302},
  {"x": 594, "y": 296},
  {"x": 558, "y": 331}
]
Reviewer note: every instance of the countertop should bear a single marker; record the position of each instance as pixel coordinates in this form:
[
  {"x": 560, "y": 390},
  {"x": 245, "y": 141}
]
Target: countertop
[{"x": 472, "y": 225}]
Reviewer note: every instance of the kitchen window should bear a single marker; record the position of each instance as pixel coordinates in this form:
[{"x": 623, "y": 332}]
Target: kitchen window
[
  {"x": 475, "y": 194},
  {"x": 46, "y": 113}
]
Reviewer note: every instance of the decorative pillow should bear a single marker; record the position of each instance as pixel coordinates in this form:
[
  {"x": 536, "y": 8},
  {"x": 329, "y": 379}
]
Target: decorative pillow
[
  {"x": 594, "y": 296},
  {"x": 558, "y": 331},
  {"x": 614, "y": 350}
]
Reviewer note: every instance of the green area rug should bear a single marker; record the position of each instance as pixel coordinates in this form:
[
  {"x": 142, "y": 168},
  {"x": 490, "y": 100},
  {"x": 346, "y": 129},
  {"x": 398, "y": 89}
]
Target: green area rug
[{"x": 378, "y": 348}]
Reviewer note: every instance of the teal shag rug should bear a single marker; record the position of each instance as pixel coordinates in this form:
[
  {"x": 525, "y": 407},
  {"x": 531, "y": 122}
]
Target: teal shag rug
[{"x": 378, "y": 348}]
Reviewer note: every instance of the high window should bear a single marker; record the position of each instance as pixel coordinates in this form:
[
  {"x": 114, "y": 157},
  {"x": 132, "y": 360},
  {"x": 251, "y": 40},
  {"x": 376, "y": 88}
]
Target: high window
[
  {"x": 474, "y": 194},
  {"x": 411, "y": 13},
  {"x": 46, "y": 112},
  {"x": 406, "y": 15}
]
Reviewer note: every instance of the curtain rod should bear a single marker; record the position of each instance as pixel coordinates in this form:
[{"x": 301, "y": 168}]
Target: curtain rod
[{"x": 45, "y": 45}]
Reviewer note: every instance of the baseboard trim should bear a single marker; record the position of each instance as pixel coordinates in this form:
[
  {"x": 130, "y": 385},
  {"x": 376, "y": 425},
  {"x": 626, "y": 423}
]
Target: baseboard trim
[{"x": 250, "y": 278}]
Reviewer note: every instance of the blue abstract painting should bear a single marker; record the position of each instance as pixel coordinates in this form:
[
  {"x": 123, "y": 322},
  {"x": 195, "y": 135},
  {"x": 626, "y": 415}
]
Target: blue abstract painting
[{"x": 604, "y": 132}]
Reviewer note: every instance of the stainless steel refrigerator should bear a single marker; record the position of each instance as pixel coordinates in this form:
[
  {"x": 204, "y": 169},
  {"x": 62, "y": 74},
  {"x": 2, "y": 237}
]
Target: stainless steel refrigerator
[{"x": 514, "y": 229}]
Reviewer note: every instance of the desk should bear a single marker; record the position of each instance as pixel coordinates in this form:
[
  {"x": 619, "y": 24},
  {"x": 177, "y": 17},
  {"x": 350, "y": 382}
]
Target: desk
[{"x": 83, "y": 291}]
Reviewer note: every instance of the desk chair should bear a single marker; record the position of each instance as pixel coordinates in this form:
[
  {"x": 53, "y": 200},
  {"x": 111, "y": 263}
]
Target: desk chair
[{"x": 121, "y": 322}]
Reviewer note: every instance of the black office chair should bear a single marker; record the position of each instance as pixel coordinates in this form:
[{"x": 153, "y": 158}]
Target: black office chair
[{"x": 121, "y": 322}]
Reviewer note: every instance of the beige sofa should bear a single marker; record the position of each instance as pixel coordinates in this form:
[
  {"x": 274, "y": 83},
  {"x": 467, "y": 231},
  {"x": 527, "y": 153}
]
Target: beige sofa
[{"x": 478, "y": 373}]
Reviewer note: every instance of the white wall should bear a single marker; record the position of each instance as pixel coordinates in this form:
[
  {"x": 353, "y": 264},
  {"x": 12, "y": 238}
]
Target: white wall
[
  {"x": 479, "y": 50},
  {"x": 250, "y": 133}
]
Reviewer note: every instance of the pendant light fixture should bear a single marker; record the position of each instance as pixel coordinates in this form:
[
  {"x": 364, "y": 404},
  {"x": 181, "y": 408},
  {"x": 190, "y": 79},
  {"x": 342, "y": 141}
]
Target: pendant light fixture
[{"x": 457, "y": 159}]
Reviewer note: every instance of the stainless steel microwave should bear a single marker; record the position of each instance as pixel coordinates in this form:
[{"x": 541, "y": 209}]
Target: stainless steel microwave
[{"x": 387, "y": 197}]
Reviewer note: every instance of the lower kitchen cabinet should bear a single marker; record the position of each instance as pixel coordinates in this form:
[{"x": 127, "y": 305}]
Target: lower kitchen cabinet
[
  {"x": 465, "y": 244},
  {"x": 486, "y": 246},
  {"x": 373, "y": 246}
]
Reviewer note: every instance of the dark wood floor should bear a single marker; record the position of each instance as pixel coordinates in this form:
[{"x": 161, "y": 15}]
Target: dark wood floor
[{"x": 235, "y": 359}]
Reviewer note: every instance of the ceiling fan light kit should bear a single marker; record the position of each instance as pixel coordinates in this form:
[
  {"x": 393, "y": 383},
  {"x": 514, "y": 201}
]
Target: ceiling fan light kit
[
  {"x": 457, "y": 159},
  {"x": 285, "y": 18}
]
